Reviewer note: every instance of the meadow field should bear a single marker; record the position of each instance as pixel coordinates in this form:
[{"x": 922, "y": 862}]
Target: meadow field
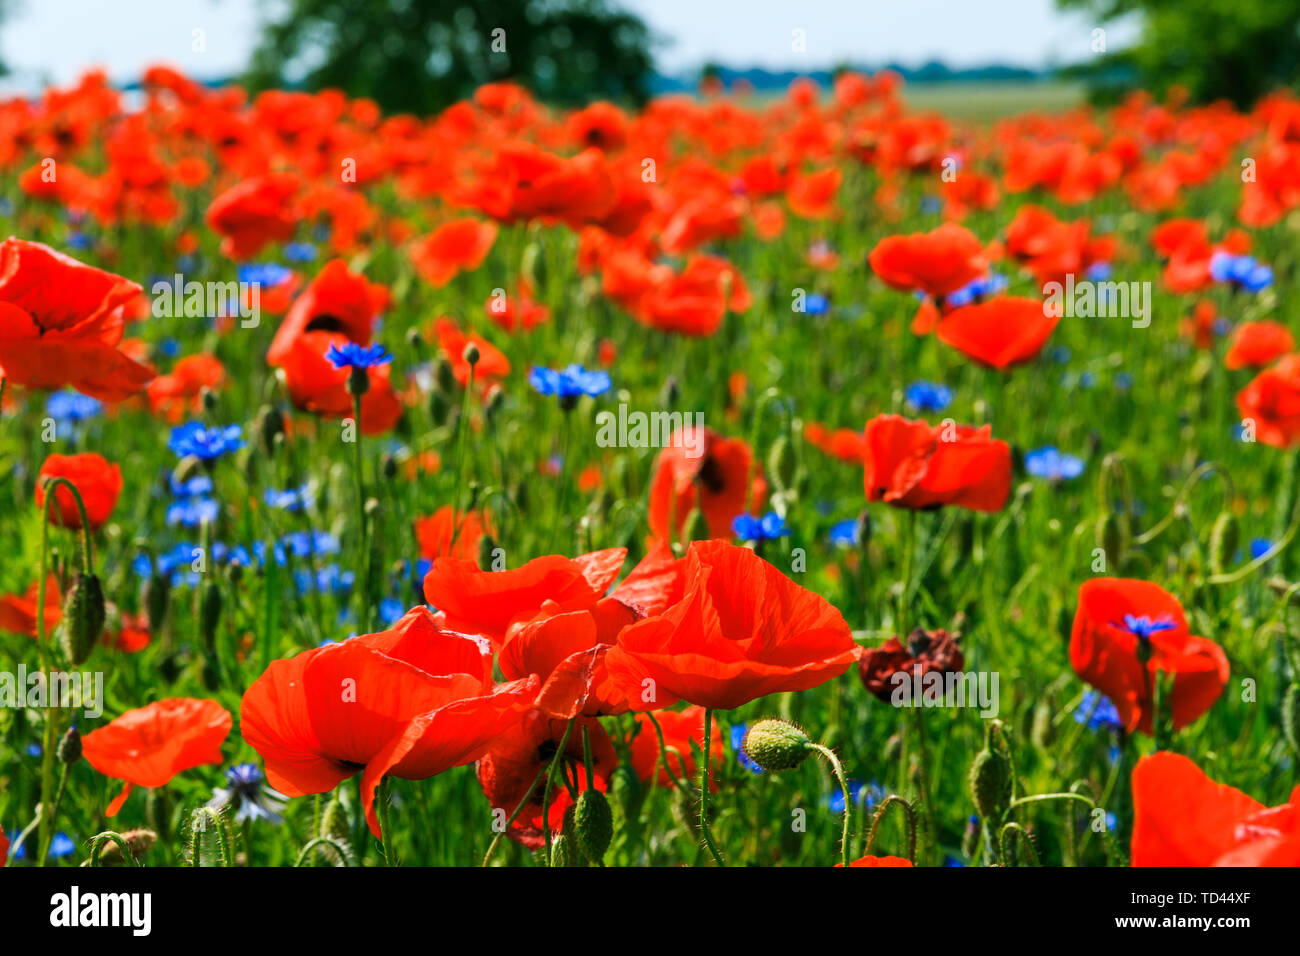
[{"x": 439, "y": 491}]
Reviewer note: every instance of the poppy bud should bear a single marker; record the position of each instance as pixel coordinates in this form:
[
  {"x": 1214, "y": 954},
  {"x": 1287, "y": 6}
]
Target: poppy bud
[
  {"x": 1110, "y": 538},
  {"x": 157, "y": 591},
  {"x": 138, "y": 841},
  {"x": 444, "y": 380},
  {"x": 414, "y": 341},
  {"x": 776, "y": 745},
  {"x": 471, "y": 353},
  {"x": 439, "y": 407},
  {"x": 781, "y": 463},
  {"x": 209, "y": 399},
  {"x": 1224, "y": 538},
  {"x": 496, "y": 400},
  {"x": 388, "y": 466},
  {"x": 593, "y": 824},
  {"x": 626, "y": 787},
  {"x": 1291, "y": 716},
  {"x": 83, "y": 618},
  {"x": 863, "y": 530},
  {"x": 670, "y": 393},
  {"x": 69, "y": 751},
  {"x": 990, "y": 780},
  {"x": 209, "y": 614}
]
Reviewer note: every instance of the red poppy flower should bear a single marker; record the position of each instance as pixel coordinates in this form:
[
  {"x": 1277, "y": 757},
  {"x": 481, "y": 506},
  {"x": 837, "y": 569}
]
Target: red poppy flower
[
  {"x": 487, "y": 602},
  {"x": 316, "y": 385},
  {"x": 1271, "y": 402},
  {"x": 412, "y": 702},
  {"x": 1200, "y": 327},
  {"x": 842, "y": 443},
  {"x": 440, "y": 534},
  {"x": 696, "y": 300},
  {"x": 523, "y": 181},
  {"x": 601, "y": 125},
  {"x": 337, "y": 300},
  {"x": 743, "y": 630},
  {"x": 4, "y": 847},
  {"x": 148, "y": 746},
  {"x": 61, "y": 322},
  {"x": 1183, "y": 818},
  {"x": 999, "y": 333},
  {"x": 912, "y": 464},
  {"x": 517, "y": 756},
  {"x": 179, "y": 393},
  {"x": 813, "y": 196},
  {"x": 683, "y": 731},
  {"x": 492, "y": 363},
  {"x": 656, "y": 583},
  {"x": 98, "y": 481},
  {"x": 1116, "y": 618},
  {"x": 254, "y": 213},
  {"x": 699, "y": 468},
  {"x": 518, "y": 312},
  {"x": 452, "y": 248},
  {"x": 879, "y": 861},
  {"x": 937, "y": 263},
  {"x": 18, "y": 611},
  {"x": 1255, "y": 344}
]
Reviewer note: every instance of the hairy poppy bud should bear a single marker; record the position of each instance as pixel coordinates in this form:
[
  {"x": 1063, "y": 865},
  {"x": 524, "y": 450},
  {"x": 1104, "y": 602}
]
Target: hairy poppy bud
[
  {"x": 776, "y": 745},
  {"x": 1224, "y": 538},
  {"x": 137, "y": 841},
  {"x": 69, "y": 751},
  {"x": 990, "y": 781},
  {"x": 1110, "y": 537},
  {"x": 593, "y": 824},
  {"x": 626, "y": 787},
  {"x": 209, "y": 614},
  {"x": 563, "y": 852},
  {"x": 83, "y": 617},
  {"x": 157, "y": 591},
  {"x": 471, "y": 353},
  {"x": 781, "y": 463},
  {"x": 1291, "y": 716}
]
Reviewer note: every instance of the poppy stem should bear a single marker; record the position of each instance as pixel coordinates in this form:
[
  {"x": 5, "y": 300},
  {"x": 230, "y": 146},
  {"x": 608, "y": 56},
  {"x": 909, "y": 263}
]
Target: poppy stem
[
  {"x": 550, "y": 780},
  {"x": 363, "y": 557},
  {"x": 838, "y": 770},
  {"x": 385, "y": 823},
  {"x": 663, "y": 755},
  {"x": 704, "y": 787},
  {"x": 514, "y": 816},
  {"x": 564, "y": 481}
]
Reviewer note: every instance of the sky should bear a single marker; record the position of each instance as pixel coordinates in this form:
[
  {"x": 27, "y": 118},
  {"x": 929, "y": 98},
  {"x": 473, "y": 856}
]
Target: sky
[{"x": 53, "y": 40}]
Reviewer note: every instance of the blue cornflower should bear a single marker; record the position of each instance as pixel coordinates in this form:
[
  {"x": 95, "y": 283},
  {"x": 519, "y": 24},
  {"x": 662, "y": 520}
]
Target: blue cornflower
[
  {"x": 1099, "y": 272},
  {"x": 190, "y": 487},
  {"x": 862, "y": 794},
  {"x": 62, "y": 845},
  {"x": 928, "y": 396},
  {"x": 391, "y": 610},
  {"x": 931, "y": 204},
  {"x": 1144, "y": 627},
  {"x": 976, "y": 290},
  {"x": 300, "y": 252},
  {"x": 569, "y": 383},
  {"x": 1243, "y": 272},
  {"x": 204, "y": 443},
  {"x": 737, "y": 744},
  {"x": 816, "y": 304},
  {"x": 192, "y": 512},
  {"x": 845, "y": 533},
  {"x": 1098, "y": 712},
  {"x": 766, "y": 528},
  {"x": 352, "y": 355},
  {"x": 290, "y": 499},
  {"x": 72, "y": 407},
  {"x": 1259, "y": 547},
  {"x": 1052, "y": 465},
  {"x": 269, "y": 274},
  {"x": 250, "y": 794}
]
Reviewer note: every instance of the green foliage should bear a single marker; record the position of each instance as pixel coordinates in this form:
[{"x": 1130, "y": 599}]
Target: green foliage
[{"x": 418, "y": 57}]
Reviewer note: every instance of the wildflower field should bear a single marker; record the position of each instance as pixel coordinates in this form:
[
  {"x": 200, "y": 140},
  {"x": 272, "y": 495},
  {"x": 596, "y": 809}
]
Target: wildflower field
[{"x": 785, "y": 482}]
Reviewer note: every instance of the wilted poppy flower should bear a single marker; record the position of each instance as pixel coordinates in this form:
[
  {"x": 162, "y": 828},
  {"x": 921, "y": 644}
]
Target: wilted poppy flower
[
  {"x": 98, "y": 482},
  {"x": 337, "y": 301},
  {"x": 148, "y": 746},
  {"x": 1271, "y": 403},
  {"x": 1255, "y": 344},
  {"x": 524, "y": 750},
  {"x": 61, "y": 323},
  {"x": 699, "y": 468},
  {"x": 998, "y": 333},
  {"x": 879, "y": 861},
  {"x": 743, "y": 630},
  {"x": 18, "y": 611},
  {"x": 912, "y": 464},
  {"x": 452, "y": 248},
  {"x": 179, "y": 393},
  {"x": 683, "y": 732},
  {"x": 412, "y": 702},
  {"x": 1183, "y": 818},
  {"x": 254, "y": 213},
  {"x": 925, "y": 652},
  {"x": 1121, "y": 621},
  {"x": 487, "y": 602}
]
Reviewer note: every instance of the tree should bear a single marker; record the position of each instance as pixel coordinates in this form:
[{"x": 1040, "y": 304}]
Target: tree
[
  {"x": 1234, "y": 49},
  {"x": 418, "y": 56}
]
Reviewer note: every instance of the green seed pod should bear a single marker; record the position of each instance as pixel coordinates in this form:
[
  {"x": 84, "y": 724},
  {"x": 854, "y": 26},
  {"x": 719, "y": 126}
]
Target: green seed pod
[
  {"x": 776, "y": 745},
  {"x": 1110, "y": 537},
  {"x": 1224, "y": 538},
  {"x": 209, "y": 614},
  {"x": 70, "y": 746},
  {"x": 1291, "y": 716},
  {"x": 157, "y": 592},
  {"x": 83, "y": 618},
  {"x": 781, "y": 464},
  {"x": 470, "y": 354},
  {"x": 593, "y": 825},
  {"x": 990, "y": 781}
]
